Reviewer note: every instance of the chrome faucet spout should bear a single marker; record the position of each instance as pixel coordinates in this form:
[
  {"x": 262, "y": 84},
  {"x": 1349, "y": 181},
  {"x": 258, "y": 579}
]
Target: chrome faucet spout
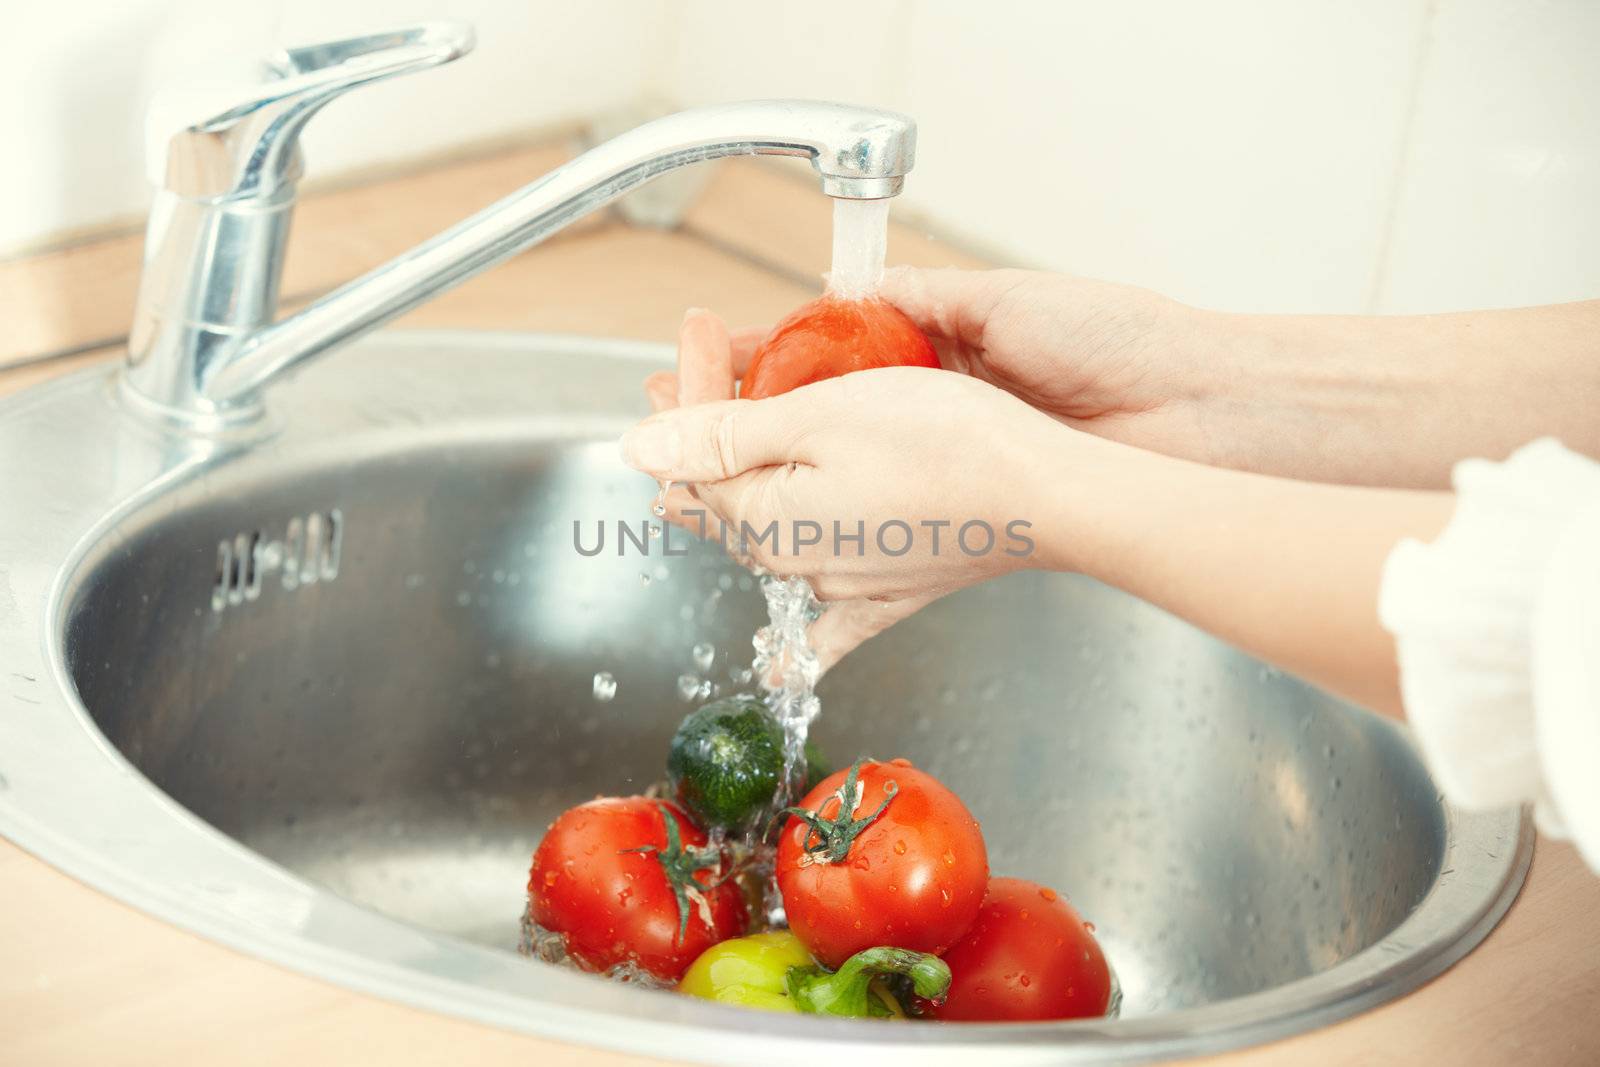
[{"x": 204, "y": 344}]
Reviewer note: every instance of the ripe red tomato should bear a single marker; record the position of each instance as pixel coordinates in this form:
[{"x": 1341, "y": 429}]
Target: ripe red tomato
[
  {"x": 833, "y": 336},
  {"x": 903, "y": 865},
  {"x": 621, "y": 883},
  {"x": 1029, "y": 956}
]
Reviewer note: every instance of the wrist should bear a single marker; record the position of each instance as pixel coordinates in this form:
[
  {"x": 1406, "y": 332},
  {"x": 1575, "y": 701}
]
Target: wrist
[{"x": 1089, "y": 492}]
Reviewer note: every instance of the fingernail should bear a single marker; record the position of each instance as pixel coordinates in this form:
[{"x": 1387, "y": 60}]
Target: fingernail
[
  {"x": 654, "y": 446},
  {"x": 690, "y": 313}
]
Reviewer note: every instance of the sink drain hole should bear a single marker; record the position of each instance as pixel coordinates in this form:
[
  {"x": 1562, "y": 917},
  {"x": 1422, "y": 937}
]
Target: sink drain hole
[{"x": 308, "y": 553}]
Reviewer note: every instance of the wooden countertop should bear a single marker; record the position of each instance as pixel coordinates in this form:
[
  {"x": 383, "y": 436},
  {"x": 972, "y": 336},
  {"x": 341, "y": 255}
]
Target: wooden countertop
[{"x": 88, "y": 980}]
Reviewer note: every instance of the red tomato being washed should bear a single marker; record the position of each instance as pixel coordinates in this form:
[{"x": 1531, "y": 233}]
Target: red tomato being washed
[
  {"x": 630, "y": 880},
  {"x": 902, "y": 865},
  {"x": 833, "y": 336},
  {"x": 1029, "y": 956}
]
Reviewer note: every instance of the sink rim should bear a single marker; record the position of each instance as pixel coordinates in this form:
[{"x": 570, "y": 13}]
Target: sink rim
[{"x": 217, "y": 887}]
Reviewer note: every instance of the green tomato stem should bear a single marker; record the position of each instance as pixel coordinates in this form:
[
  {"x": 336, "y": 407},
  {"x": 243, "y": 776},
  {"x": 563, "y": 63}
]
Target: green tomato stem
[
  {"x": 680, "y": 864},
  {"x": 829, "y": 840}
]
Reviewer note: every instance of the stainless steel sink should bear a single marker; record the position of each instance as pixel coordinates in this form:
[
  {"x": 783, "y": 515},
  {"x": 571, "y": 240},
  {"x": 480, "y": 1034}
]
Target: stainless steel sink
[{"x": 314, "y": 690}]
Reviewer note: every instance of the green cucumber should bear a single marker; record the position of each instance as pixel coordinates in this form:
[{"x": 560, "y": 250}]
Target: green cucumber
[{"x": 726, "y": 760}]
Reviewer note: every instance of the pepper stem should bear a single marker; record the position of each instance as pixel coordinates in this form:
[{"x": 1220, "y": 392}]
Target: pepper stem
[
  {"x": 845, "y": 991},
  {"x": 680, "y": 864}
]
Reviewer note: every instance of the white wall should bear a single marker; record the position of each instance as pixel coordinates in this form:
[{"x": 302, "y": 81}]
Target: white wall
[
  {"x": 1500, "y": 198},
  {"x": 72, "y": 100},
  {"x": 1334, "y": 155},
  {"x": 1317, "y": 155}
]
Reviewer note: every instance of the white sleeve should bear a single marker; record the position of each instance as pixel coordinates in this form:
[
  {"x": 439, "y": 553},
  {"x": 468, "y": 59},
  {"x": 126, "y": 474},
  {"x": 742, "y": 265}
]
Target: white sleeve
[{"x": 1497, "y": 629}]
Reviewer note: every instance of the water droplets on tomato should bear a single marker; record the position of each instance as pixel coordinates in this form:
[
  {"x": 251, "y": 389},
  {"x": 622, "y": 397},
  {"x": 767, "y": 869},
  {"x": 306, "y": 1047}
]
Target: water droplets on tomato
[
  {"x": 1023, "y": 915},
  {"x": 550, "y": 877},
  {"x": 899, "y": 848},
  {"x": 899, "y": 761},
  {"x": 1047, "y": 893},
  {"x": 949, "y": 858},
  {"x": 1025, "y": 981},
  {"x": 1089, "y": 927},
  {"x": 945, "y": 898}
]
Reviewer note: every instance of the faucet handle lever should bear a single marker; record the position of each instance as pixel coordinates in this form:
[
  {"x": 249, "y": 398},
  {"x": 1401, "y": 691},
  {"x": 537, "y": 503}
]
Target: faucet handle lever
[{"x": 235, "y": 142}]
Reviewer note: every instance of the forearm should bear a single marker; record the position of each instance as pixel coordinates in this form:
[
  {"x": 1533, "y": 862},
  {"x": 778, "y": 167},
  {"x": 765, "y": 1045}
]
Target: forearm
[
  {"x": 1286, "y": 570},
  {"x": 1391, "y": 400}
]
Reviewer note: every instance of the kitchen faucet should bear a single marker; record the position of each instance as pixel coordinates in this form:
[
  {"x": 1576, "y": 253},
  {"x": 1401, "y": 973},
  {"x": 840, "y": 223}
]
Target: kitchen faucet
[{"x": 204, "y": 342}]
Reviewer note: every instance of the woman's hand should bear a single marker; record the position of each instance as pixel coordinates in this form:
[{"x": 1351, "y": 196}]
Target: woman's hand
[
  {"x": 1081, "y": 350},
  {"x": 932, "y": 422},
  {"x": 882, "y": 484}
]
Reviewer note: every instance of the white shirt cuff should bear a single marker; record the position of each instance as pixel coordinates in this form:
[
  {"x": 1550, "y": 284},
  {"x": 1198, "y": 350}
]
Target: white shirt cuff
[{"x": 1497, "y": 629}]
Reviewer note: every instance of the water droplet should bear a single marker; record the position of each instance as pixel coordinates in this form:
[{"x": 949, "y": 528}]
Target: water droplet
[
  {"x": 550, "y": 877},
  {"x": 1048, "y": 894},
  {"x": 704, "y": 654},
  {"x": 605, "y": 687},
  {"x": 740, "y": 675},
  {"x": 949, "y": 858},
  {"x": 899, "y": 848},
  {"x": 1024, "y": 980},
  {"x": 463, "y": 598},
  {"x": 691, "y": 687},
  {"x": 1089, "y": 927},
  {"x": 945, "y": 899},
  {"x": 644, "y": 577},
  {"x": 655, "y": 530}
]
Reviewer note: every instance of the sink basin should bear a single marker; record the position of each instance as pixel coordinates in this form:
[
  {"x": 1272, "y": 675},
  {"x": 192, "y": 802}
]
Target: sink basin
[{"x": 316, "y": 689}]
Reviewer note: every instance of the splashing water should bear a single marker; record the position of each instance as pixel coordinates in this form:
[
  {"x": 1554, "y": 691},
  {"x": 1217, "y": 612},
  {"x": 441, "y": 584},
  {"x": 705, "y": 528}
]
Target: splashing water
[
  {"x": 549, "y": 947},
  {"x": 788, "y": 669},
  {"x": 860, "y": 240},
  {"x": 785, "y": 664}
]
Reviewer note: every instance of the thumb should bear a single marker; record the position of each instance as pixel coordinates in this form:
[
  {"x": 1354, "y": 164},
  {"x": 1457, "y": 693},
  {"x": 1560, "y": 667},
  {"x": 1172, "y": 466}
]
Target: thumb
[{"x": 714, "y": 442}]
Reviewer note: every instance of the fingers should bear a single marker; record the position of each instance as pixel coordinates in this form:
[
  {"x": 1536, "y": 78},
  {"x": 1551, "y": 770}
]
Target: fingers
[
  {"x": 948, "y": 303},
  {"x": 714, "y": 442},
  {"x": 661, "y": 389},
  {"x": 705, "y": 359}
]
